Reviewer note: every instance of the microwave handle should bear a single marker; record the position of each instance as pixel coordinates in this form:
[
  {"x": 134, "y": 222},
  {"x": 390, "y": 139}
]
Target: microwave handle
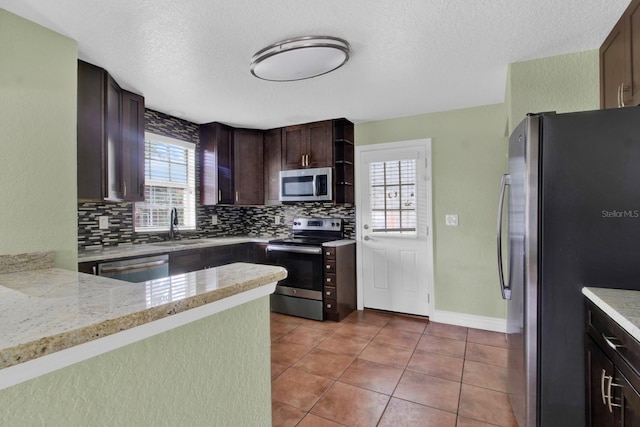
[{"x": 315, "y": 185}]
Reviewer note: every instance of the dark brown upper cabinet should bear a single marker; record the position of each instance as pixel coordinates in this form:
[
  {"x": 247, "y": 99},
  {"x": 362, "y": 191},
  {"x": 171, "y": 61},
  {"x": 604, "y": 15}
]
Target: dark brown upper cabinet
[
  {"x": 620, "y": 61},
  {"x": 272, "y": 165},
  {"x": 110, "y": 138},
  {"x": 307, "y": 146},
  {"x": 231, "y": 165},
  {"x": 248, "y": 166},
  {"x": 216, "y": 151}
]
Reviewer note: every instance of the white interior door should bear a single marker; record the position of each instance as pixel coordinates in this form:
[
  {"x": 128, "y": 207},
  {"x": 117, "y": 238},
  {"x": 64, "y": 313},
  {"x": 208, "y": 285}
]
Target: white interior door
[{"x": 394, "y": 238}]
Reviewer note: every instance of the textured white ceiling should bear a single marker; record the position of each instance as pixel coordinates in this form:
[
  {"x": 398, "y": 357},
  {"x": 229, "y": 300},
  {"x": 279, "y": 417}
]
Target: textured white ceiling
[{"x": 408, "y": 56}]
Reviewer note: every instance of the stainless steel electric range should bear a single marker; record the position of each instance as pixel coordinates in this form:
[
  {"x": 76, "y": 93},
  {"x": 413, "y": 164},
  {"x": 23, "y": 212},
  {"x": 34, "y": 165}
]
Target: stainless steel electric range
[{"x": 300, "y": 294}]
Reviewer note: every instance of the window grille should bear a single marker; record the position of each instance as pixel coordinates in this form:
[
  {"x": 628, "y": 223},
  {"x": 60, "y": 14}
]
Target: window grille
[
  {"x": 169, "y": 167},
  {"x": 393, "y": 196}
]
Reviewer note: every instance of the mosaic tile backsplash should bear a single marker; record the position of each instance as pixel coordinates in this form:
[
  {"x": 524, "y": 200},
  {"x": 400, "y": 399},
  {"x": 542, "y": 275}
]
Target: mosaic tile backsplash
[{"x": 253, "y": 221}]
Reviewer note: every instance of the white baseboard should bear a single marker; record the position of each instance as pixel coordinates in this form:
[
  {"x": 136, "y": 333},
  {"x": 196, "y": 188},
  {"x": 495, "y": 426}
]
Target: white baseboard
[{"x": 469, "y": 320}]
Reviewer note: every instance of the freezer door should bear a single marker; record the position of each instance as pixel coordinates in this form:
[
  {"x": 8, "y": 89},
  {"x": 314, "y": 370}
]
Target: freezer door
[{"x": 523, "y": 271}]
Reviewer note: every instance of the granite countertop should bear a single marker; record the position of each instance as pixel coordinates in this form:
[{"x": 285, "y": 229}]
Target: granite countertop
[
  {"x": 47, "y": 310},
  {"x": 622, "y": 305},
  {"x": 130, "y": 250}
]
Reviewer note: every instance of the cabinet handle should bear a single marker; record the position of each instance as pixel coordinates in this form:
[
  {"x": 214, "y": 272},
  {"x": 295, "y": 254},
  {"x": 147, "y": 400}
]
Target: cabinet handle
[
  {"x": 609, "y": 342},
  {"x": 219, "y": 195},
  {"x": 602, "y": 381},
  {"x": 609, "y": 396},
  {"x": 623, "y": 89},
  {"x": 619, "y": 92},
  {"x": 125, "y": 189},
  {"x": 328, "y": 279},
  {"x": 236, "y": 196}
]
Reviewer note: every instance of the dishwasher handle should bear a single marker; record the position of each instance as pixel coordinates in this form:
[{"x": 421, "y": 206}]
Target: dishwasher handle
[{"x": 105, "y": 269}]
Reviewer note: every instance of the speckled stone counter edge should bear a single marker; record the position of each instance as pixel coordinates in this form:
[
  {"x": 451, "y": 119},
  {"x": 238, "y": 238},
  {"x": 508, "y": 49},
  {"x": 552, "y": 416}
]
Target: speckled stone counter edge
[
  {"x": 25, "y": 262},
  {"x": 622, "y": 305},
  {"x": 46, "y": 345}
]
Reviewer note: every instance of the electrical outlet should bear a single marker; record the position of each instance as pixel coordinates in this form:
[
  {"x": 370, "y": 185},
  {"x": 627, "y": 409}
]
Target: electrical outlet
[
  {"x": 214, "y": 219},
  {"x": 103, "y": 222},
  {"x": 451, "y": 220},
  {"x": 276, "y": 220}
]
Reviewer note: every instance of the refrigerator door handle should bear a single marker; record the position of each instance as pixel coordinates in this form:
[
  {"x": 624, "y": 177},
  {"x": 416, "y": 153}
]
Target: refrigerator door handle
[{"x": 505, "y": 290}]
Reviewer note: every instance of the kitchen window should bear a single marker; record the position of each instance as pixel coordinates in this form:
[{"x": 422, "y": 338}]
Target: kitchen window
[
  {"x": 169, "y": 169},
  {"x": 393, "y": 196}
]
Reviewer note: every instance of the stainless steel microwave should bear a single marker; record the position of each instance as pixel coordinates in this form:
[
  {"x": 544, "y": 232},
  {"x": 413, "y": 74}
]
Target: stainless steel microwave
[{"x": 306, "y": 185}]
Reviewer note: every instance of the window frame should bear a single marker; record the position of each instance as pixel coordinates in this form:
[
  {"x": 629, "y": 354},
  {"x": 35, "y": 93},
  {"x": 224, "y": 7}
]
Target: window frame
[{"x": 186, "y": 224}]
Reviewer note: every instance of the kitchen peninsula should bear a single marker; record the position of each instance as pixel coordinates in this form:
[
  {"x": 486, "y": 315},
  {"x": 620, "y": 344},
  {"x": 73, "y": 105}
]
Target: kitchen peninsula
[{"x": 77, "y": 349}]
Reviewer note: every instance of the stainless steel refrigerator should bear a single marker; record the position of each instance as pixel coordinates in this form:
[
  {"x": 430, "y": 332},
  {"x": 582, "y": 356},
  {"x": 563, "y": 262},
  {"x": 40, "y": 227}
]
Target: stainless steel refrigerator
[{"x": 572, "y": 196}]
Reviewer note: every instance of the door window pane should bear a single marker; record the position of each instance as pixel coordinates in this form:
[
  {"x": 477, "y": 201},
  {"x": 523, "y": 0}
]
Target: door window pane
[{"x": 393, "y": 196}]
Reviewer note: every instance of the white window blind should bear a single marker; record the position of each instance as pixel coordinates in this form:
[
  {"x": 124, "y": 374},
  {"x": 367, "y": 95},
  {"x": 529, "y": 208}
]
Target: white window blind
[
  {"x": 393, "y": 196},
  {"x": 169, "y": 167}
]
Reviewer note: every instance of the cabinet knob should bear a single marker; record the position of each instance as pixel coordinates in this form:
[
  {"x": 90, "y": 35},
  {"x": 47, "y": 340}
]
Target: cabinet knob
[
  {"x": 328, "y": 305},
  {"x": 328, "y": 279}
]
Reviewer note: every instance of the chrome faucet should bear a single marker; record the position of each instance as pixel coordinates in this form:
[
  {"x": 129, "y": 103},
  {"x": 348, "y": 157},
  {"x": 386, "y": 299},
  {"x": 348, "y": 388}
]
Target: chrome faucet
[{"x": 173, "y": 223}]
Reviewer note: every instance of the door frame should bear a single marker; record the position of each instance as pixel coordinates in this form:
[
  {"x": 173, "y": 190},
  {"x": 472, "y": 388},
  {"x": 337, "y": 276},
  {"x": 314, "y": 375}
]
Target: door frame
[{"x": 401, "y": 145}]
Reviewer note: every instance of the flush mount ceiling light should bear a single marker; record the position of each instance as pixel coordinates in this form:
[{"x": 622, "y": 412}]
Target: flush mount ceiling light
[{"x": 300, "y": 58}]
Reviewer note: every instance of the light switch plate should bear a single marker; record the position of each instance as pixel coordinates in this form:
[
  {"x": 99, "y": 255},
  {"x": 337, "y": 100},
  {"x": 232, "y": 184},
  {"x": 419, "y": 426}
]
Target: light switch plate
[
  {"x": 276, "y": 220},
  {"x": 451, "y": 220},
  {"x": 103, "y": 222},
  {"x": 214, "y": 219}
]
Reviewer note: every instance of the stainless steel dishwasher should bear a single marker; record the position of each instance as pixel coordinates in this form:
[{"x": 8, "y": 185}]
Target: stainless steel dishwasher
[{"x": 136, "y": 270}]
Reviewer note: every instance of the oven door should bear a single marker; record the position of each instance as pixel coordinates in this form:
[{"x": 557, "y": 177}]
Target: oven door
[{"x": 304, "y": 267}]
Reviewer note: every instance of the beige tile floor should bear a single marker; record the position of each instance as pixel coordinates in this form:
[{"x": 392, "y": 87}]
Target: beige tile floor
[{"x": 380, "y": 369}]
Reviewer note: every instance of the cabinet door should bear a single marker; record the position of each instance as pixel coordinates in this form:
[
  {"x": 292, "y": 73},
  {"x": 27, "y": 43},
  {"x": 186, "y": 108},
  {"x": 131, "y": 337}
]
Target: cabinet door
[
  {"x": 614, "y": 69},
  {"x": 599, "y": 368},
  {"x": 186, "y": 261},
  {"x": 248, "y": 167},
  {"x": 113, "y": 143},
  {"x": 220, "y": 255},
  {"x": 224, "y": 144},
  {"x": 216, "y": 161},
  {"x": 272, "y": 166},
  {"x": 628, "y": 415},
  {"x": 320, "y": 145},
  {"x": 132, "y": 147},
  {"x": 91, "y": 128},
  {"x": 294, "y": 146}
]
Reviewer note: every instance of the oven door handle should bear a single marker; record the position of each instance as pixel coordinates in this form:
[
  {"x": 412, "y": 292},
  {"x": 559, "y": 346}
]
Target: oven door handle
[{"x": 295, "y": 249}]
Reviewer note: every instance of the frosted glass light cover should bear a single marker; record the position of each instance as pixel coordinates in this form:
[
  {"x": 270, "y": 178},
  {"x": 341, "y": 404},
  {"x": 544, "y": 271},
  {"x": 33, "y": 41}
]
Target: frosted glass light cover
[{"x": 298, "y": 59}]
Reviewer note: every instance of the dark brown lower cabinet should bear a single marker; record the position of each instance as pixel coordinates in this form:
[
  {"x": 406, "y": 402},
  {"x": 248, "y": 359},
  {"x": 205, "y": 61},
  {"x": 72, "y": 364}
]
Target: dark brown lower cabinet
[
  {"x": 199, "y": 259},
  {"x": 339, "y": 291},
  {"x": 613, "y": 378}
]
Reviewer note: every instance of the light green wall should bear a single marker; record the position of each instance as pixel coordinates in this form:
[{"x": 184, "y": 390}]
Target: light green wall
[
  {"x": 559, "y": 83},
  {"x": 213, "y": 372},
  {"x": 37, "y": 140},
  {"x": 469, "y": 157}
]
